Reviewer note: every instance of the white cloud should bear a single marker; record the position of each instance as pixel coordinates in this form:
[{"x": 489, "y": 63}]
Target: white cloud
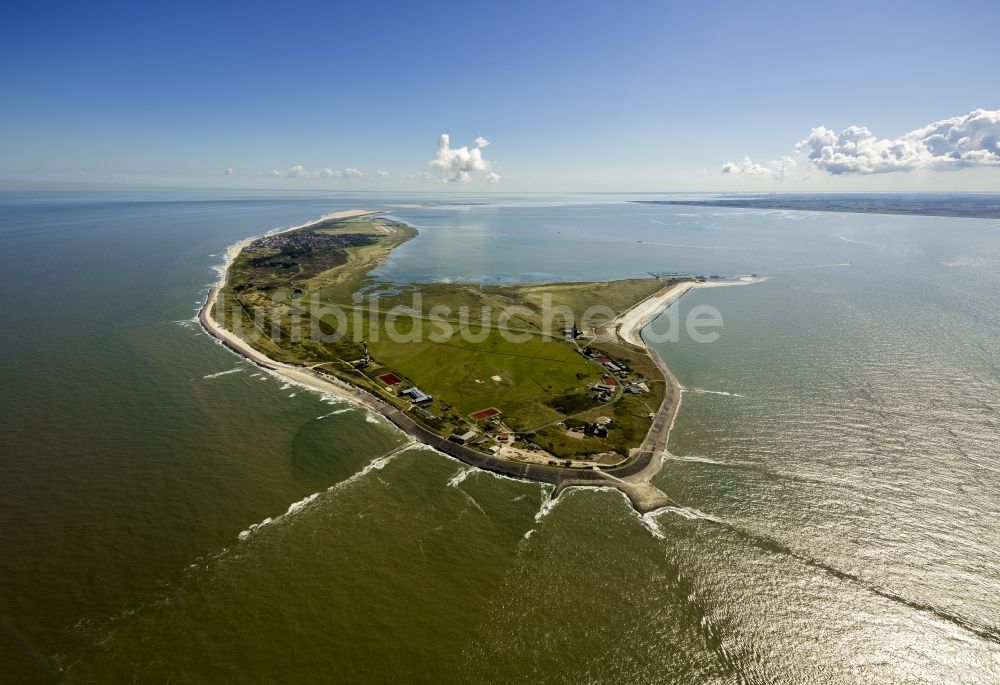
[
  {"x": 229, "y": 172},
  {"x": 381, "y": 174},
  {"x": 493, "y": 177},
  {"x": 776, "y": 170},
  {"x": 299, "y": 171},
  {"x": 963, "y": 141},
  {"x": 747, "y": 168},
  {"x": 458, "y": 164}
]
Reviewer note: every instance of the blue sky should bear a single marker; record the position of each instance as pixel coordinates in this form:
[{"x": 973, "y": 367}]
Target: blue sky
[{"x": 572, "y": 96}]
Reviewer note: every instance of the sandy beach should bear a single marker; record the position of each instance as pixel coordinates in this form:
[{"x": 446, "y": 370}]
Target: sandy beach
[
  {"x": 629, "y": 327},
  {"x": 297, "y": 374},
  {"x": 631, "y": 322}
]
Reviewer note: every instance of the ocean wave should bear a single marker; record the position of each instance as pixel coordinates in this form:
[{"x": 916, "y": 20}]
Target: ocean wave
[
  {"x": 222, "y": 373},
  {"x": 473, "y": 502},
  {"x": 335, "y": 412},
  {"x": 686, "y": 512},
  {"x": 376, "y": 464},
  {"x": 712, "y": 392},
  {"x": 649, "y": 521},
  {"x": 293, "y": 508},
  {"x": 547, "y": 506},
  {"x": 462, "y": 474},
  {"x": 702, "y": 460}
]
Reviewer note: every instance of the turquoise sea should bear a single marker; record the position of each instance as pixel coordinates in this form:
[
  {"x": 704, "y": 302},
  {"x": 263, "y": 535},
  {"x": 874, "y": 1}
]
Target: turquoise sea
[{"x": 836, "y": 462}]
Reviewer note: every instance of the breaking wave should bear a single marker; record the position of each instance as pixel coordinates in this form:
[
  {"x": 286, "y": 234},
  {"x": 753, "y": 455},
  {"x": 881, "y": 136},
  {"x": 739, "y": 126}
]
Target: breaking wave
[
  {"x": 222, "y": 373},
  {"x": 293, "y": 508},
  {"x": 335, "y": 412},
  {"x": 713, "y": 392},
  {"x": 701, "y": 460},
  {"x": 686, "y": 512},
  {"x": 378, "y": 463},
  {"x": 462, "y": 474}
]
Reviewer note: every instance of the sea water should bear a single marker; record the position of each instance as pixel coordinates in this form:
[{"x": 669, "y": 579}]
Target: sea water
[{"x": 834, "y": 462}]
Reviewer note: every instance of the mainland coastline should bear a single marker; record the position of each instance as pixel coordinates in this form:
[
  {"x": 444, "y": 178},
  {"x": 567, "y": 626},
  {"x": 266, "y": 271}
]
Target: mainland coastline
[{"x": 631, "y": 477}]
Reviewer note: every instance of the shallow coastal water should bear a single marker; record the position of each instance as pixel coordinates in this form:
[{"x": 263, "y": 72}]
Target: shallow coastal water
[{"x": 836, "y": 461}]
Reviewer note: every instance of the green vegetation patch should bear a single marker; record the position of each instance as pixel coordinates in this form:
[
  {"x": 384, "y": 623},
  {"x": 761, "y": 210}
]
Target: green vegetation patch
[
  {"x": 541, "y": 383},
  {"x": 532, "y": 373}
]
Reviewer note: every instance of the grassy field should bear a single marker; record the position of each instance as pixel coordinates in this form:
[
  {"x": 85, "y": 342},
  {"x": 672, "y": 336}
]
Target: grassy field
[
  {"x": 461, "y": 374},
  {"x": 277, "y": 288},
  {"x": 566, "y": 302}
]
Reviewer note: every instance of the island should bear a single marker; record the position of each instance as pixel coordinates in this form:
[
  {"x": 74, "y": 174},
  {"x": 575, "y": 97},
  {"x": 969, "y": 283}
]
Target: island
[
  {"x": 548, "y": 382},
  {"x": 960, "y": 205}
]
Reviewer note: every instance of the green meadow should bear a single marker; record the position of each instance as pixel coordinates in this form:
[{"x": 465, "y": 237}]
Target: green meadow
[{"x": 281, "y": 290}]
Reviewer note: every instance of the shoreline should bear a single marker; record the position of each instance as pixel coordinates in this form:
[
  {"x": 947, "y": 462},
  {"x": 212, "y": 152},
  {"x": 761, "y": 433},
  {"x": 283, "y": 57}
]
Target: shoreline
[
  {"x": 631, "y": 322},
  {"x": 628, "y": 327},
  {"x": 631, "y": 478},
  {"x": 296, "y": 374}
]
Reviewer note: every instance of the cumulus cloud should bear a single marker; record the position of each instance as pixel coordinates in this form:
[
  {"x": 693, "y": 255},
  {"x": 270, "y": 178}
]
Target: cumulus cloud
[
  {"x": 493, "y": 177},
  {"x": 299, "y": 171},
  {"x": 747, "y": 168},
  {"x": 457, "y": 165},
  {"x": 229, "y": 172},
  {"x": 381, "y": 174},
  {"x": 962, "y": 141},
  {"x": 777, "y": 169}
]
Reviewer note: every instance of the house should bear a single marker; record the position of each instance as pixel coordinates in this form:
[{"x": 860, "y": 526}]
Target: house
[
  {"x": 596, "y": 429},
  {"x": 417, "y": 395},
  {"x": 463, "y": 438},
  {"x": 604, "y": 387},
  {"x": 423, "y": 412}
]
